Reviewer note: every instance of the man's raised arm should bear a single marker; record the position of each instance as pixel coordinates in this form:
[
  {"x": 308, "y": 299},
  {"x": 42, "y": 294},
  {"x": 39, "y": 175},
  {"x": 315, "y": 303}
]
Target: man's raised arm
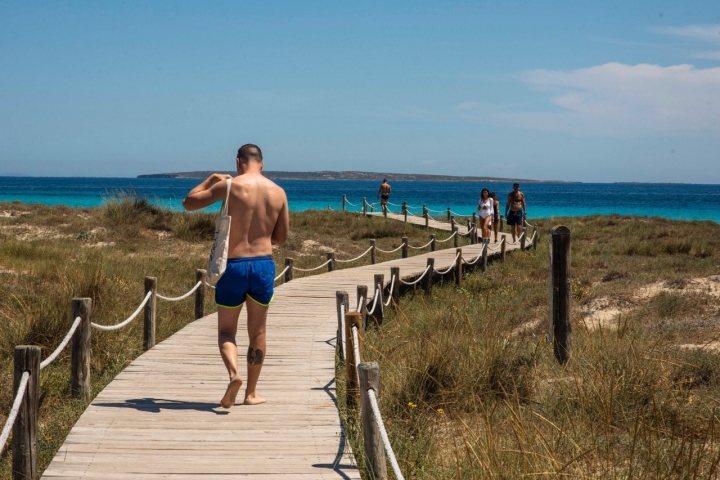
[
  {"x": 208, "y": 192},
  {"x": 282, "y": 225}
]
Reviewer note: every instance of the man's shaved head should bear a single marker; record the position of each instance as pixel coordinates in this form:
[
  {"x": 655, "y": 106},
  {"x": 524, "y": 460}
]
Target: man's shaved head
[{"x": 250, "y": 152}]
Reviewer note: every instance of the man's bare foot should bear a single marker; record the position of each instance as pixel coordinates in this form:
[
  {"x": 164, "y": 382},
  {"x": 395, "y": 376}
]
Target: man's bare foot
[
  {"x": 233, "y": 388},
  {"x": 253, "y": 399}
]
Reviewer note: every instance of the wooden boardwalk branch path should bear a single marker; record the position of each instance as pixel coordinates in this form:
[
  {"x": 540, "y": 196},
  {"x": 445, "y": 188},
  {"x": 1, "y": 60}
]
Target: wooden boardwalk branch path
[{"x": 160, "y": 418}]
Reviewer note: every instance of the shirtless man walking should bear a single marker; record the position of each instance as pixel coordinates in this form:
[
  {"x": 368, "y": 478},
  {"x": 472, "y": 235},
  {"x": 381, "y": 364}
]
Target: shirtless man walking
[
  {"x": 384, "y": 194},
  {"x": 518, "y": 210},
  {"x": 259, "y": 212}
]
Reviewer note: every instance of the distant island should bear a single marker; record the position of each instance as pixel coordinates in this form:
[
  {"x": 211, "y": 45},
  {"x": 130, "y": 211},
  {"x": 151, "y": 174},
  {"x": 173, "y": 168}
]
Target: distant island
[{"x": 376, "y": 176}]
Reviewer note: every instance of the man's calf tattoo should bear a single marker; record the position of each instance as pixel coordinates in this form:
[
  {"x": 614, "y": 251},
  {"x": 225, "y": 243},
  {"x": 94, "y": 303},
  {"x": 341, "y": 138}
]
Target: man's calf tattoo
[{"x": 254, "y": 356}]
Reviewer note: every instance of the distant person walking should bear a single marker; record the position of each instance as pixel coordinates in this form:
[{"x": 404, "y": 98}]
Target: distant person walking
[
  {"x": 486, "y": 209},
  {"x": 496, "y": 214},
  {"x": 384, "y": 194},
  {"x": 517, "y": 210},
  {"x": 259, "y": 212}
]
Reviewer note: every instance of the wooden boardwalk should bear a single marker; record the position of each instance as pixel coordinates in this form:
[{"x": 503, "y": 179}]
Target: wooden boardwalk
[{"x": 160, "y": 418}]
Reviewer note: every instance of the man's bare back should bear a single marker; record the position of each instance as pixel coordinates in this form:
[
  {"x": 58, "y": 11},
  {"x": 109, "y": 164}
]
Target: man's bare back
[
  {"x": 258, "y": 208},
  {"x": 259, "y": 212}
]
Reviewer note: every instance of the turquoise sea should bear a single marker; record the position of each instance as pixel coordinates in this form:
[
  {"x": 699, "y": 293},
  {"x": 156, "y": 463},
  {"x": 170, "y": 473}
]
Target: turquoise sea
[{"x": 696, "y": 202}]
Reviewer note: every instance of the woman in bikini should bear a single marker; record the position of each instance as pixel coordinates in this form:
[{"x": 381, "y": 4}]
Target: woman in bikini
[
  {"x": 486, "y": 209},
  {"x": 496, "y": 214}
]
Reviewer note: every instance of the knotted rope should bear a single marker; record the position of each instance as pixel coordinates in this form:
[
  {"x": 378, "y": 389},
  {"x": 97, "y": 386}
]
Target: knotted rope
[
  {"x": 390, "y": 251},
  {"x": 420, "y": 248},
  {"x": 447, "y": 239}
]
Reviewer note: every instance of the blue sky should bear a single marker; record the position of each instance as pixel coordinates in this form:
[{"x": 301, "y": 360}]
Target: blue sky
[{"x": 570, "y": 90}]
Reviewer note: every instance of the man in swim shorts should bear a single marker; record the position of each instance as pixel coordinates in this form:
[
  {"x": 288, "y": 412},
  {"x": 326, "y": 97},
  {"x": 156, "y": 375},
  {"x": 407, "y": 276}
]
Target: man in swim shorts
[
  {"x": 518, "y": 210},
  {"x": 384, "y": 194},
  {"x": 259, "y": 212}
]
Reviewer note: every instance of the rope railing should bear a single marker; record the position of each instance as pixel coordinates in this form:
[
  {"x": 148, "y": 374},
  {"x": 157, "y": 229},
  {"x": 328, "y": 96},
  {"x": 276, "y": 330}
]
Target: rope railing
[
  {"x": 421, "y": 247},
  {"x": 416, "y": 280},
  {"x": 181, "y": 297},
  {"x": 108, "y": 328},
  {"x": 477, "y": 259},
  {"x": 62, "y": 345},
  {"x": 343, "y": 338},
  {"x": 392, "y": 286},
  {"x": 356, "y": 258},
  {"x": 282, "y": 273},
  {"x": 375, "y": 301},
  {"x": 361, "y": 300},
  {"x": 22, "y": 387},
  {"x": 391, "y": 251},
  {"x": 383, "y": 434},
  {"x": 447, "y": 239},
  {"x": 467, "y": 233},
  {"x": 312, "y": 269},
  {"x": 452, "y": 265}
]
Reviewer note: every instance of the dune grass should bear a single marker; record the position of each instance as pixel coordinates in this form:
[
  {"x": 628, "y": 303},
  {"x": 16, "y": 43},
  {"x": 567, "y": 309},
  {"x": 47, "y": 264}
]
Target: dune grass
[
  {"x": 471, "y": 390},
  {"x": 50, "y": 254}
]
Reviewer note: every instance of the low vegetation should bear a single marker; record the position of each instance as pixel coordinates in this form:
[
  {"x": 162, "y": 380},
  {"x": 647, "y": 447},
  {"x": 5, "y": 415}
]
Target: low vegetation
[
  {"x": 471, "y": 389},
  {"x": 50, "y": 254}
]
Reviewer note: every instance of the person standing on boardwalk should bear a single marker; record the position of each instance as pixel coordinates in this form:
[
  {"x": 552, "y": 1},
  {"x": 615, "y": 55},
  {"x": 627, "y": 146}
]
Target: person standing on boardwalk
[
  {"x": 517, "y": 210},
  {"x": 384, "y": 194},
  {"x": 496, "y": 214},
  {"x": 259, "y": 212},
  {"x": 486, "y": 207}
]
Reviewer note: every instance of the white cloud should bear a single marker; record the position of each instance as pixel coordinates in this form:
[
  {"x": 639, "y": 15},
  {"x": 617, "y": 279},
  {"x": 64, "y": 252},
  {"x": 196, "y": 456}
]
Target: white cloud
[
  {"x": 697, "y": 32},
  {"x": 619, "y": 99}
]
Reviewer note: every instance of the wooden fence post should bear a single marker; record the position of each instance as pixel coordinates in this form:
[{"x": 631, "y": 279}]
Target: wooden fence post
[
  {"x": 424, "y": 210},
  {"x": 331, "y": 257},
  {"x": 379, "y": 281},
  {"x": 429, "y": 276},
  {"x": 25, "y": 446},
  {"x": 449, "y": 214},
  {"x": 384, "y": 210},
  {"x": 404, "y": 247},
  {"x": 364, "y": 206},
  {"x": 200, "y": 276},
  {"x": 433, "y": 243},
  {"x": 427, "y": 221},
  {"x": 289, "y": 272},
  {"x": 362, "y": 292},
  {"x": 352, "y": 319},
  {"x": 344, "y": 201},
  {"x": 535, "y": 237},
  {"x": 503, "y": 247},
  {"x": 80, "y": 357},
  {"x": 456, "y": 238},
  {"x": 474, "y": 218},
  {"x": 149, "y": 314},
  {"x": 452, "y": 222},
  {"x": 560, "y": 293},
  {"x": 485, "y": 255},
  {"x": 369, "y": 375},
  {"x": 395, "y": 292},
  {"x": 458, "y": 266},
  {"x": 523, "y": 237},
  {"x": 372, "y": 252},
  {"x": 404, "y": 209},
  {"x": 341, "y": 298}
]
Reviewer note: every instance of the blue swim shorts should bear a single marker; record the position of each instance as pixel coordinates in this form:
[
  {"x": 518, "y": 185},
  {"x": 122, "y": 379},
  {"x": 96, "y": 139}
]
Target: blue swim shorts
[
  {"x": 515, "y": 218},
  {"x": 252, "y": 277}
]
